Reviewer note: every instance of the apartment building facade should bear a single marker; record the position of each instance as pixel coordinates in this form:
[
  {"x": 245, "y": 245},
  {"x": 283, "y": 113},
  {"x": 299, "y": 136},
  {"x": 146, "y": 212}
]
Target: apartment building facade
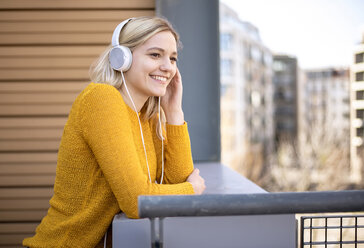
[
  {"x": 246, "y": 90},
  {"x": 327, "y": 101},
  {"x": 357, "y": 114}
]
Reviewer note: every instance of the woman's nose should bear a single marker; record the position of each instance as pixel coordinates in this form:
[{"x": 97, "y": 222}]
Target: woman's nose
[{"x": 166, "y": 65}]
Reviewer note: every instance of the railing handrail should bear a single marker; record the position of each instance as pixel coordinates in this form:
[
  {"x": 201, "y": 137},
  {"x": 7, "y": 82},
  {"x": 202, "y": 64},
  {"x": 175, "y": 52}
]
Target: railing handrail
[{"x": 250, "y": 204}]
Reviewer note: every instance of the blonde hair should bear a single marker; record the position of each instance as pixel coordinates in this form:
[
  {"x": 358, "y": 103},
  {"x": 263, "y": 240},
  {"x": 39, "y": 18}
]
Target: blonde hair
[{"x": 133, "y": 34}]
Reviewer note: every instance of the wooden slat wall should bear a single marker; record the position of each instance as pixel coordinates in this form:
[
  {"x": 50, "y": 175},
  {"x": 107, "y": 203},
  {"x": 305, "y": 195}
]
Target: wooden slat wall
[{"x": 46, "y": 48}]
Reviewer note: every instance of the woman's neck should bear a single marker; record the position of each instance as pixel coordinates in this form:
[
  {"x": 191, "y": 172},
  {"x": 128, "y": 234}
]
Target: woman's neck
[{"x": 138, "y": 100}]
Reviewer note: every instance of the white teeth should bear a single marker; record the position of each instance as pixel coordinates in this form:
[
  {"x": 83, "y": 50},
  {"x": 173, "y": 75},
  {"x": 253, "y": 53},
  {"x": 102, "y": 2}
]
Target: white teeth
[{"x": 164, "y": 79}]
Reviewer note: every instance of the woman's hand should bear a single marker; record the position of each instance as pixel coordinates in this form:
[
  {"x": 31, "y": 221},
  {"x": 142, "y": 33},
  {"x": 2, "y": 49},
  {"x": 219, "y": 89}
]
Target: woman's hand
[
  {"x": 198, "y": 183},
  {"x": 171, "y": 102}
]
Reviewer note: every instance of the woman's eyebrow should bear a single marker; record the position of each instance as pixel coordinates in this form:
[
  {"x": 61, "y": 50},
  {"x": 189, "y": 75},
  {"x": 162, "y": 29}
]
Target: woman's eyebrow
[{"x": 160, "y": 49}]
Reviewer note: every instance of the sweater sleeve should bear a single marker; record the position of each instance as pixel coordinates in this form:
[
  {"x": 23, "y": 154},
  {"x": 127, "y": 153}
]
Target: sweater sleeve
[
  {"x": 178, "y": 161},
  {"x": 108, "y": 132}
]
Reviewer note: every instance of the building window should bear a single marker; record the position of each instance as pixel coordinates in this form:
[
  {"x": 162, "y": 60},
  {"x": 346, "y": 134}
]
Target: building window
[
  {"x": 279, "y": 66},
  {"x": 223, "y": 89},
  {"x": 226, "y": 41},
  {"x": 262, "y": 80},
  {"x": 256, "y": 54},
  {"x": 359, "y": 76},
  {"x": 360, "y": 132},
  {"x": 279, "y": 93},
  {"x": 360, "y": 95},
  {"x": 247, "y": 52},
  {"x": 267, "y": 58},
  {"x": 248, "y": 73},
  {"x": 255, "y": 99},
  {"x": 226, "y": 67},
  {"x": 227, "y": 89},
  {"x": 359, "y": 149},
  {"x": 359, "y": 58},
  {"x": 360, "y": 114}
]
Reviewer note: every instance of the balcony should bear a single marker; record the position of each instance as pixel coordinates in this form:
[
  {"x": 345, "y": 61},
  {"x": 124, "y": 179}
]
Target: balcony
[
  {"x": 209, "y": 231},
  {"x": 357, "y": 123},
  {"x": 234, "y": 212},
  {"x": 358, "y": 104}
]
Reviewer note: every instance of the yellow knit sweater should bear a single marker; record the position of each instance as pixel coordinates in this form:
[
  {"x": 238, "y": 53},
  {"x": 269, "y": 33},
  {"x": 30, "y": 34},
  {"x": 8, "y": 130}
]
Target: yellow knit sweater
[{"x": 102, "y": 170}]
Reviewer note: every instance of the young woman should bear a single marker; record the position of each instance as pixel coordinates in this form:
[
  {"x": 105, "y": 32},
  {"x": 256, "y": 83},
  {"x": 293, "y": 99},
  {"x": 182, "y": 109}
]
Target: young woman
[{"x": 114, "y": 147}]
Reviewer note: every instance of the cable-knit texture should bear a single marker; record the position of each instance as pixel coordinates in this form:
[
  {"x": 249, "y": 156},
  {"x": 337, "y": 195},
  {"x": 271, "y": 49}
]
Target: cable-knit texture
[{"x": 101, "y": 169}]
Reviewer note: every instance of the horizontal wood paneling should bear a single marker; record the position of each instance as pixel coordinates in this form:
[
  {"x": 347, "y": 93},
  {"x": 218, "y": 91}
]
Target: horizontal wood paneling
[
  {"x": 43, "y": 62},
  {"x": 38, "y": 110},
  {"x": 21, "y": 204},
  {"x": 25, "y": 193},
  {"x": 44, "y": 74},
  {"x": 46, "y": 48},
  {"x": 37, "y": 98},
  {"x": 32, "y": 134},
  {"x": 51, "y": 51},
  {"x": 72, "y": 15},
  {"x": 29, "y": 180},
  {"x": 32, "y": 122},
  {"x": 10, "y": 228},
  {"x": 22, "y": 216},
  {"x": 27, "y": 169},
  {"x": 79, "y": 4},
  {"x": 50, "y": 27},
  {"x": 45, "y": 87},
  {"x": 29, "y": 145},
  {"x": 24, "y": 157},
  {"x": 56, "y": 39},
  {"x": 10, "y": 239}
]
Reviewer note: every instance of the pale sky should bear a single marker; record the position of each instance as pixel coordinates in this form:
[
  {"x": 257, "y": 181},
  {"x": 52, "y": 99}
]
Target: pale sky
[{"x": 320, "y": 33}]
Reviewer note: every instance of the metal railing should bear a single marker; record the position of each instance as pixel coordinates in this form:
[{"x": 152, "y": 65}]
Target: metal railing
[
  {"x": 346, "y": 225},
  {"x": 251, "y": 204},
  {"x": 154, "y": 207}
]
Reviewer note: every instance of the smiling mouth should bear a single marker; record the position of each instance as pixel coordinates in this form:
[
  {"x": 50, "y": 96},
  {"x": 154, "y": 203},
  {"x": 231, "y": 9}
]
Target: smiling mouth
[{"x": 160, "y": 78}]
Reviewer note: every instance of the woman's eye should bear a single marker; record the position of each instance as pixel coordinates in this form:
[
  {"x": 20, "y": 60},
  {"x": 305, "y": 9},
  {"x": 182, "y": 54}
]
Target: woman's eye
[
  {"x": 174, "y": 59},
  {"x": 155, "y": 55}
]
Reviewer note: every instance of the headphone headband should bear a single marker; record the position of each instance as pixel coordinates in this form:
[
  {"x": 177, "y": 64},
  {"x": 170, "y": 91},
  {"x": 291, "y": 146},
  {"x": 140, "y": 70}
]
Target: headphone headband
[
  {"x": 116, "y": 34},
  {"x": 120, "y": 57}
]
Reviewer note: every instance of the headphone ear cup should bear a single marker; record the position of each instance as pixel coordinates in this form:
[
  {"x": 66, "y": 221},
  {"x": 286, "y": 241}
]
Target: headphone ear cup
[{"x": 120, "y": 58}]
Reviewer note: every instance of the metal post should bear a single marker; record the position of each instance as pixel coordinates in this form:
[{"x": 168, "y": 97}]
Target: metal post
[
  {"x": 356, "y": 232},
  {"x": 156, "y": 227},
  {"x": 302, "y": 230},
  {"x": 310, "y": 232},
  {"x": 325, "y": 232},
  {"x": 341, "y": 232}
]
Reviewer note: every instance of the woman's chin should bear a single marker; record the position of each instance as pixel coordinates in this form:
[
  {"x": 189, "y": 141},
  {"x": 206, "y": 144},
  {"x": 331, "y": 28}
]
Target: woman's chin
[{"x": 159, "y": 93}]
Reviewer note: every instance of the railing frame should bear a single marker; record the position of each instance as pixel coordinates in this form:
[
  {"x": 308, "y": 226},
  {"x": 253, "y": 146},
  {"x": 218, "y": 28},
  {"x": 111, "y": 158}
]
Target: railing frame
[
  {"x": 251, "y": 204},
  {"x": 154, "y": 207},
  {"x": 327, "y": 242}
]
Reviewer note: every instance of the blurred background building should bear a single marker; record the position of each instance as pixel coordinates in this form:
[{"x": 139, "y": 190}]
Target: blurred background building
[
  {"x": 324, "y": 125},
  {"x": 357, "y": 113},
  {"x": 246, "y": 92},
  {"x": 327, "y": 101},
  {"x": 277, "y": 118},
  {"x": 285, "y": 81}
]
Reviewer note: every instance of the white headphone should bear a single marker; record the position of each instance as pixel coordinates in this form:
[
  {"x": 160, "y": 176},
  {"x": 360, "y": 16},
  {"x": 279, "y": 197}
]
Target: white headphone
[
  {"x": 120, "y": 56},
  {"x": 120, "y": 59}
]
